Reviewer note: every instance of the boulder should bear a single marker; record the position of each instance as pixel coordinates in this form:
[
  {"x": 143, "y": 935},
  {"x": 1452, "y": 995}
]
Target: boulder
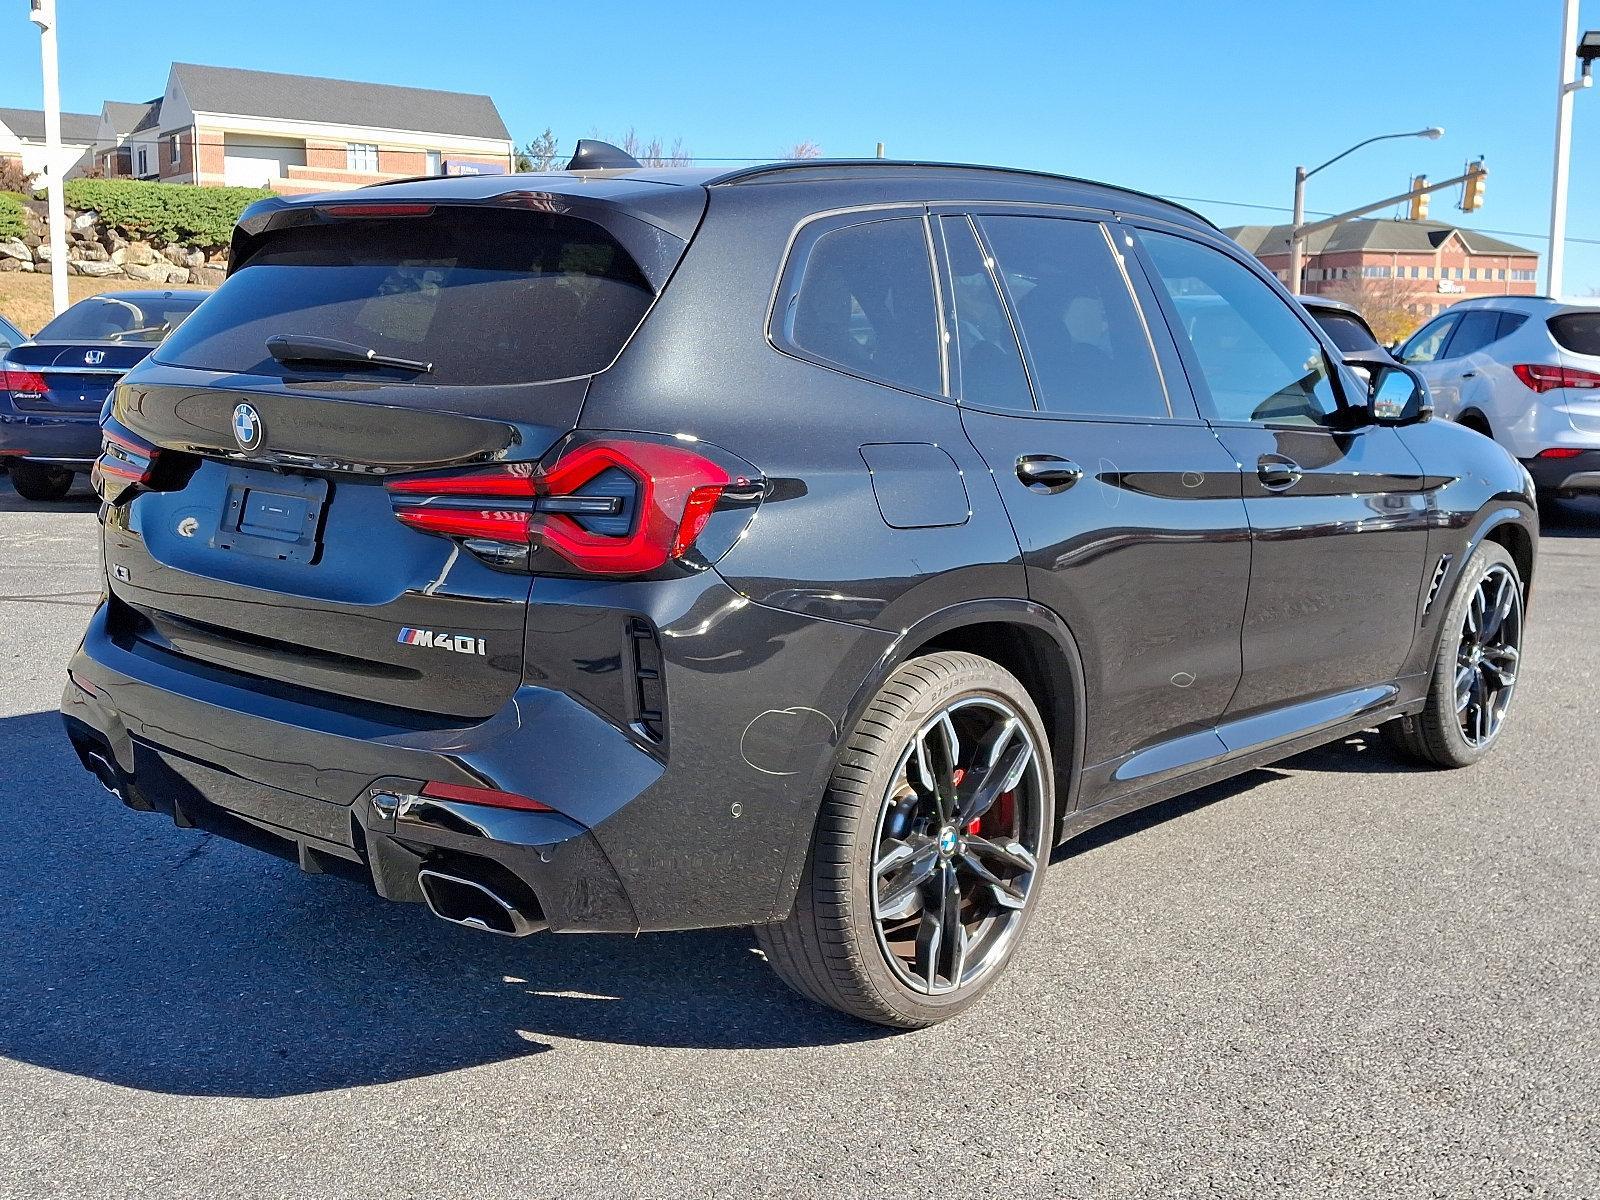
[
  {"x": 149, "y": 272},
  {"x": 207, "y": 276},
  {"x": 140, "y": 253},
  {"x": 86, "y": 220},
  {"x": 176, "y": 255},
  {"x": 15, "y": 249},
  {"x": 98, "y": 269},
  {"x": 91, "y": 252},
  {"x": 12, "y": 264},
  {"x": 195, "y": 258}
]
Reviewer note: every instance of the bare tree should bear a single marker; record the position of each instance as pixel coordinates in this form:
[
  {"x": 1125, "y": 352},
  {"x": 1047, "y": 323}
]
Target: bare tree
[
  {"x": 538, "y": 155},
  {"x": 805, "y": 149},
  {"x": 654, "y": 153},
  {"x": 1392, "y": 306}
]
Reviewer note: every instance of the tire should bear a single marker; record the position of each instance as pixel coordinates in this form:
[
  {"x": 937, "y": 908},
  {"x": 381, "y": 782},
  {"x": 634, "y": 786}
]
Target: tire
[
  {"x": 832, "y": 948},
  {"x": 35, "y": 481},
  {"x": 1439, "y": 735}
]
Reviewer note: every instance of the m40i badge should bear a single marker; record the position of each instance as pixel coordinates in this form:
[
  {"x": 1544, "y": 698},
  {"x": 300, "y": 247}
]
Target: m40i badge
[{"x": 433, "y": 639}]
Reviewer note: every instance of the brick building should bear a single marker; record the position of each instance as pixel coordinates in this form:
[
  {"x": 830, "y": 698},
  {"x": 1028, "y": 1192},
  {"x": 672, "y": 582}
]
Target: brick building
[
  {"x": 1440, "y": 264},
  {"x": 297, "y": 133}
]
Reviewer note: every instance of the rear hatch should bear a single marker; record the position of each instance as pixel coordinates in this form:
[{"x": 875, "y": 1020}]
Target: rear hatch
[
  {"x": 265, "y": 542},
  {"x": 1577, "y": 333},
  {"x": 68, "y": 377}
]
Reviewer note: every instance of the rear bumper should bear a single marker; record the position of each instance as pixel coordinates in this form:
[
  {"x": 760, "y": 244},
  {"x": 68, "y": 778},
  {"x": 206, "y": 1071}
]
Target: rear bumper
[
  {"x": 69, "y": 440},
  {"x": 716, "y": 839},
  {"x": 1580, "y": 473}
]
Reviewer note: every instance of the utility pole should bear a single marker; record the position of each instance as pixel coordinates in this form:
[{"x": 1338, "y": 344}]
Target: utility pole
[
  {"x": 43, "y": 14},
  {"x": 1296, "y": 234},
  {"x": 1566, "y": 85}
]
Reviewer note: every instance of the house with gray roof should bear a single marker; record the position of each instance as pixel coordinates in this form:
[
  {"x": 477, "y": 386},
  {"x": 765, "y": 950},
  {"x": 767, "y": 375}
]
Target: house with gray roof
[
  {"x": 22, "y": 139},
  {"x": 1427, "y": 265},
  {"x": 299, "y": 133}
]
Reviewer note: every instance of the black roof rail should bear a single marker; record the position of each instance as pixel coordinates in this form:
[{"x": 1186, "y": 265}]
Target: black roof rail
[{"x": 745, "y": 174}]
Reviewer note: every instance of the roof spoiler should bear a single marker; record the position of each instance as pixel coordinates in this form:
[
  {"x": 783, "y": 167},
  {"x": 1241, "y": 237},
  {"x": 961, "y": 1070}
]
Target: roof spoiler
[{"x": 592, "y": 155}]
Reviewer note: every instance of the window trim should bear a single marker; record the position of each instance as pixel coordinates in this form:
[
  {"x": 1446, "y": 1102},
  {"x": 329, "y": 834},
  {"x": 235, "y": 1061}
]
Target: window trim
[
  {"x": 350, "y": 149},
  {"x": 1171, "y": 371},
  {"x": 1333, "y": 358},
  {"x": 791, "y": 272},
  {"x": 954, "y": 381}
]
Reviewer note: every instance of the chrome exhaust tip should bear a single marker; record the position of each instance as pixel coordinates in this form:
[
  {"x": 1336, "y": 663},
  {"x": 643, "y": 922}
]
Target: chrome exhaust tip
[
  {"x": 467, "y": 902},
  {"x": 105, "y": 774}
]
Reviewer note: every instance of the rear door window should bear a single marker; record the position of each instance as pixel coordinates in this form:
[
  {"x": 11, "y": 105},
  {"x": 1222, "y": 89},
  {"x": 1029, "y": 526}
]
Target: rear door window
[
  {"x": 130, "y": 318},
  {"x": 864, "y": 302},
  {"x": 1578, "y": 332},
  {"x": 986, "y": 349},
  {"x": 486, "y": 295},
  {"x": 1477, "y": 328},
  {"x": 1086, "y": 342}
]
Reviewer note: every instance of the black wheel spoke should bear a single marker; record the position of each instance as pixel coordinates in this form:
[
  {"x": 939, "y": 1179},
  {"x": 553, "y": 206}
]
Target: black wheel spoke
[
  {"x": 902, "y": 870},
  {"x": 1005, "y": 892},
  {"x": 1002, "y": 757}
]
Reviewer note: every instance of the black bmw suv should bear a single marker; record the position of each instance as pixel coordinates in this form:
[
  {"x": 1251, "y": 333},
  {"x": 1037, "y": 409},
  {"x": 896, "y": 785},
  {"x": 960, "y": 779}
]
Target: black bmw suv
[{"x": 812, "y": 547}]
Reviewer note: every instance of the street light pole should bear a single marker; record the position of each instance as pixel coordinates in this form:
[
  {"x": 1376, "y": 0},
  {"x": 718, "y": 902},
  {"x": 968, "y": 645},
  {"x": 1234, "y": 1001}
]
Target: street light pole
[
  {"x": 1566, "y": 85},
  {"x": 43, "y": 14},
  {"x": 1296, "y": 238}
]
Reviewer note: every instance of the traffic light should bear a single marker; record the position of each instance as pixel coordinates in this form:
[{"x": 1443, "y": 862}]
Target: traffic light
[
  {"x": 1472, "y": 193},
  {"x": 1419, "y": 200}
]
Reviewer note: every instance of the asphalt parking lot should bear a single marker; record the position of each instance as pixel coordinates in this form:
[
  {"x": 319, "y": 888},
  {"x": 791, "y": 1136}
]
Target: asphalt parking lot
[{"x": 1337, "y": 977}]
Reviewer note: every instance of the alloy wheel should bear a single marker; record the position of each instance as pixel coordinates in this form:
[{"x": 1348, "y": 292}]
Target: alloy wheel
[
  {"x": 959, "y": 836},
  {"x": 1488, "y": 655}
]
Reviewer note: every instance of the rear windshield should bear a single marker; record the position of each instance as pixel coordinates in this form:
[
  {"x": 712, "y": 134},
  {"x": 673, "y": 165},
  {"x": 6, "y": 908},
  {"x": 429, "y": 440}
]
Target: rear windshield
[
  {"x": 1578, "y": 332},
  {"x": 1347, "y": 333},
  {"x": 488, "y": 296},
  {"x": 120, "y": 319}
]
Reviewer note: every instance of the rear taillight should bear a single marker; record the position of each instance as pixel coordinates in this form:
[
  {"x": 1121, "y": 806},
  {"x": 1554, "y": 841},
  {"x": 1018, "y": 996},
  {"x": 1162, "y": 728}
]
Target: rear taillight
[
  {"x": 28, "y": 384},
  {"x": 608, "y": 506},
  {"x": 1544, "y": 377},
  {"x": 125, "y": 460}
]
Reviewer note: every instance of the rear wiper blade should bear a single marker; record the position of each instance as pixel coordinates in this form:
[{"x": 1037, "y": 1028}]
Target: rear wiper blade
[{"x": 303, "y": 348}]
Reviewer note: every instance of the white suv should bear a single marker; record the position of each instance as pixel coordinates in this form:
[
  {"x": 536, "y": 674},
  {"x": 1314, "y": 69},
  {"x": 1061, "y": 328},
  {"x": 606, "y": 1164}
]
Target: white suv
[{"x": 1524, "y": 370}]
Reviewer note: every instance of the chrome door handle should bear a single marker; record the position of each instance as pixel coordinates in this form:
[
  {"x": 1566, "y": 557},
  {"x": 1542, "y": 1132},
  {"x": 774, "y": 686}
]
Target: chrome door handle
[
  {"x": 1277, "y": 474},
  {"x": 1047, "y": 473}
]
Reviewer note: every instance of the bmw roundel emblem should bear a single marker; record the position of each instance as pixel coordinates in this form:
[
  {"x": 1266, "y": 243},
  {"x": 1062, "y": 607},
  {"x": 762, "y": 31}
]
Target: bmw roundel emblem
[{"x": 246, "y": 426}]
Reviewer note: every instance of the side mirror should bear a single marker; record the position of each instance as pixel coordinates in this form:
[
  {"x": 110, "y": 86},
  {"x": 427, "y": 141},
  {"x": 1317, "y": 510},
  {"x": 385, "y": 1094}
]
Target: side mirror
[{"x": 1397, "y": 395}]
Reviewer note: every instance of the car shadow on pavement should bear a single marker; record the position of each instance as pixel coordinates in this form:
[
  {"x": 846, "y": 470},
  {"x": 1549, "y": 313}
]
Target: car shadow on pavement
[
  {"x": 80, "y": 499},
  {"x": 169, "y": 961},
  {"x": 1579, "y": 517}
]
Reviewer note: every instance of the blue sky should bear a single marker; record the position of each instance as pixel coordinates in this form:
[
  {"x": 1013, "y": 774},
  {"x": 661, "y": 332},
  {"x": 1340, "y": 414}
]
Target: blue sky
[{"x": 1216, "y": 100}]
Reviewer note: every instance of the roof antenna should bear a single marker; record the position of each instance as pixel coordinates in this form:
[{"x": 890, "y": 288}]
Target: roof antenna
[{"x": 592, "y": 155}]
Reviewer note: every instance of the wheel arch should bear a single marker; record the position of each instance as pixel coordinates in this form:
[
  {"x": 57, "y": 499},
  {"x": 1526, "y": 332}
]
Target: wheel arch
[
  {"x": 1476, "y": 420},
  {"x": 1030, "y": 641}
]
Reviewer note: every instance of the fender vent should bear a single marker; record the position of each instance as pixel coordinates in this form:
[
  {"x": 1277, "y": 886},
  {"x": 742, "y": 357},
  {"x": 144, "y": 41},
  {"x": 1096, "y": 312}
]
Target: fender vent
[{"x": 1439, "y": 573}]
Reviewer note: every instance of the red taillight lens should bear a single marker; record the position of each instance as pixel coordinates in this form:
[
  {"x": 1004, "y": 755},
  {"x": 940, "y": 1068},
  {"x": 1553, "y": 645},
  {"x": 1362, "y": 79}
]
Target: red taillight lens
[
  {"x": 478, "y": 795},
  {"x": 610, "y": 506},
  {"x": 1543, "y": 377},
  {"x": 125, "y": 459},
  {"x": 1560, "y": 452},
  {"x": 23, "y": 383}
]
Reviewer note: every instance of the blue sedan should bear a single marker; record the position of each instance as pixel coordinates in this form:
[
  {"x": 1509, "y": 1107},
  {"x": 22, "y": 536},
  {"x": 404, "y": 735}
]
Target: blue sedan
[{"x": 52, "y": 387}]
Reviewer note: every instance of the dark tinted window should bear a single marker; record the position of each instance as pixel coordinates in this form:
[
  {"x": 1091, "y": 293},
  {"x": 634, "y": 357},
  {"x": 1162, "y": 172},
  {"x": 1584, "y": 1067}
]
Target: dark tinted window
[
  {"x": 120, "y": 319},
  {"x": 985, "y": 345},
  {"x": 1258, "y": 359},
  {"x": 1578, "y": 332},
  {"x": 1089, "y": 349},
  {"x": 1510, "y": 323},
  {"x": 487, "y": 296},
  {"x": 1477, "y": 328},
  {"x": 1427, "y": 343},
  {"x": 1347, "y": 333},
  {"x": 865, "y": 303}
]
